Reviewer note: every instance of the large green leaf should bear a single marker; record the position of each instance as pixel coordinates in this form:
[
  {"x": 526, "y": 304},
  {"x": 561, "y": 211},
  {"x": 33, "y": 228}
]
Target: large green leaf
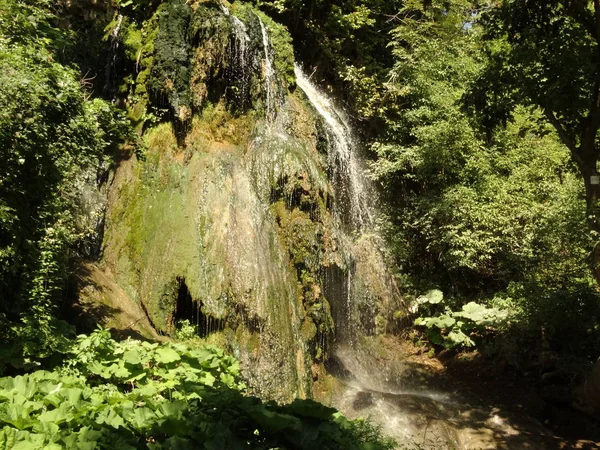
[
  {"x": 433, "y": 297},
  {"x": 441, "y": 322},
  {"x": 166, "y": 355}
]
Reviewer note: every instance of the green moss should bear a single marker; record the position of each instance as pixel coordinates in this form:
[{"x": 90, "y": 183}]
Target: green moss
[
  {"x": 137, "y": 114},
  {"x": 133, "y": 41},
  {"x": 301, "y": 234},
  {"x": 309, "y": 330},
  {"x": 170, "y": 74},
  {"x": 138, "y": 41},
  {"x": 252, "y": 343},
  {"x": 279, "y": 36},
  {"x": 281, "y": 40},
  {"x": 209, "y": 34},
  {"x": 216, "y": 123}
]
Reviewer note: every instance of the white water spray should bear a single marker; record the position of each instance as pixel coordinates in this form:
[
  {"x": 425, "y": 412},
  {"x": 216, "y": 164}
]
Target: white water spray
[
  {"x": 111, "y": 63},
  {"x": 270, "y": 76},
  {"x": 352, "y": 191}
]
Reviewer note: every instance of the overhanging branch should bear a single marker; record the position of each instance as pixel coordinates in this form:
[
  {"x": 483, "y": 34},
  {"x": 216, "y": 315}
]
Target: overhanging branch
[{"x": 562, "y": 133}]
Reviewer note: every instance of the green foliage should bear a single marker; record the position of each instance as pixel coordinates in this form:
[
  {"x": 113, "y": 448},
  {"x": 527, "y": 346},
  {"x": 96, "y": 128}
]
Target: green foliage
[
  {"x": 98, "y": 357},
  {"x": 484, "y": 215},
  {"x": 185, "y": 331},
  {"x": 432, "y": 297},
  {"x": 137, "y": 395},
  {"x": 482, "y": 210},
  {"x": 50, "y": 133},
  {"x": 546, "y": 55},
  {"x": 458, "y": 328},
  {"x": 31, "y": 22},
  {"x": 135, "y": 5},
  {"x": 541, "y": 54}
]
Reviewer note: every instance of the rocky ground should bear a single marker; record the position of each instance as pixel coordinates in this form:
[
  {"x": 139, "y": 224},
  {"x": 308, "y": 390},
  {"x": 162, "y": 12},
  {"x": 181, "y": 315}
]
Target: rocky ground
[{"x": 452, "y": 401}]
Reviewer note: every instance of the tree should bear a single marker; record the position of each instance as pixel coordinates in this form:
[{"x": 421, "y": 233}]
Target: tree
[
  {"x": 51, "y": 132},
  {"x": 547, "y": 54}
]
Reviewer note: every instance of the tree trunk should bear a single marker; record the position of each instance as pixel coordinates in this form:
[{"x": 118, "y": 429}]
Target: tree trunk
[{"x": 592, "y": 194}]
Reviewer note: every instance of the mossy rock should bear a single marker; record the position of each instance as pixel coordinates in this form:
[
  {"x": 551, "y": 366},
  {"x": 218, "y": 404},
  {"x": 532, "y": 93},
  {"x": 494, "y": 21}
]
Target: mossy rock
[{"x": 170, "y": 74}]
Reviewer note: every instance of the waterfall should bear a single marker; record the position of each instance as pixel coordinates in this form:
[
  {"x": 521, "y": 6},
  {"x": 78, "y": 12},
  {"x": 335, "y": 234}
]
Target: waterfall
[
  {"x": 240, "y": 60},
  {"x": 111, "y": 62},
  {"x": 353, "y": 195},
  {"x": 242, "y": 39},
  {"x": 270, "y": 75}
]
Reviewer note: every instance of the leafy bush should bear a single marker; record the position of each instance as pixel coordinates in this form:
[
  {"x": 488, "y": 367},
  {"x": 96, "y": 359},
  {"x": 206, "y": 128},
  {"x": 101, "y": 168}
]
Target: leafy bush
[
  {"x": 185, "y": 331},
  {"x": 50, "y": 133},
  {"x": 457, "y": 328},
  {"x": 136, "y": 395}
]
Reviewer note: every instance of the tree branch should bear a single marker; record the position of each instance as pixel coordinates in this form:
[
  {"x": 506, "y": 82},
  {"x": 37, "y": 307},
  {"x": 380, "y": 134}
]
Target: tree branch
[{"x": 562, "y": 133}]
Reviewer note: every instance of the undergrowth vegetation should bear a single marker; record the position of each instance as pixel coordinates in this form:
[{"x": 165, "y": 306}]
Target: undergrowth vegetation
[
  {"x": 140, "y": 395},
  {"x": 51, "y": 135}
]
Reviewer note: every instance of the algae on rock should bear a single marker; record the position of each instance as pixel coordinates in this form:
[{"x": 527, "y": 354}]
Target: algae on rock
[{"x": 229, "y": 213}]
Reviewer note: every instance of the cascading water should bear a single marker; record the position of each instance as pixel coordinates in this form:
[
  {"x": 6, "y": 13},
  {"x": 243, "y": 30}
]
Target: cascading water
[
  {"x": 353, "y": 195},
  {"x": 269, "y": 74},
  {"x": 111, "y": 62},
  {"x": 242, "y": 61},
  {"x": 239, "y": 48},
  {"x": 353, "y": 198},
  {"x": 364, "y": 391}
]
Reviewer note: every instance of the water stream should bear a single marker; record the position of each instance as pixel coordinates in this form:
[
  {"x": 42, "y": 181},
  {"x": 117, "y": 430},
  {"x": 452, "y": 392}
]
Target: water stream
[
  {"x": 239, "y": 48},
  {"x": 353, "y": 194},
  {"x": 269, "y": 74}
]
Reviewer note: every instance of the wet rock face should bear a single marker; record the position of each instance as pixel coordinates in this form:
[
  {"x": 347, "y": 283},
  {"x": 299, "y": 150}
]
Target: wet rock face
[
  {"x": 202, "y": 221},
  {"x": 191, "y": 234},
  {"x": 233, "y": 205},
  {"x": 229, "y": 221},
  {"x": 203, "y": 54},
  {"x": 170, "y": 74}
]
